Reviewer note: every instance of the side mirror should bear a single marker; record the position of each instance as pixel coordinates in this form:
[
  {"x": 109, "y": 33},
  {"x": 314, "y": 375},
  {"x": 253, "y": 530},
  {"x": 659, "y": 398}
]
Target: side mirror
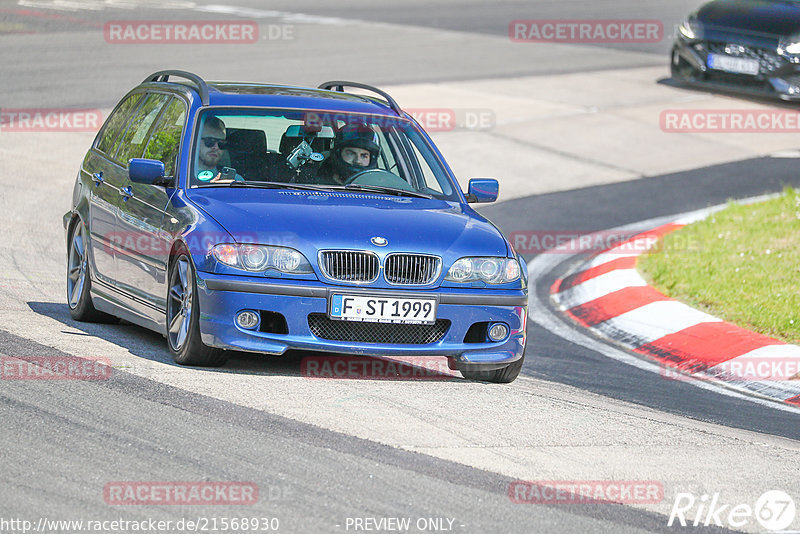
[
  {"x": 146, "y": 171},
  {"x": 482, "y": 190}
]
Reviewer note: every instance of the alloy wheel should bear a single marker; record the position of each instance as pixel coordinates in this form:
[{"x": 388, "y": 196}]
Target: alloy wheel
[
  {"x": 179, "y": 306},
  {"x": 76, "y": 267}
]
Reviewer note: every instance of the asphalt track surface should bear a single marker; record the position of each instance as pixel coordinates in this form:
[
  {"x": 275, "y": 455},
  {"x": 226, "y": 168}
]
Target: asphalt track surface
[{"x": 61, "y": 441}]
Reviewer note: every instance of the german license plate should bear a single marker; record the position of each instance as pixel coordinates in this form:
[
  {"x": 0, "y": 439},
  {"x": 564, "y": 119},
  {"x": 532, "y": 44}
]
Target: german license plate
[
  {"x": 738, "y": 65},
  {"x": 366, "y": 308}
]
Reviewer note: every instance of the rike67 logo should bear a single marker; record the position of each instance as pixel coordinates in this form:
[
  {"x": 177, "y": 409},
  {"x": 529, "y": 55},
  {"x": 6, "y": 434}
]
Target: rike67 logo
[{"x": 774, "y": 510}]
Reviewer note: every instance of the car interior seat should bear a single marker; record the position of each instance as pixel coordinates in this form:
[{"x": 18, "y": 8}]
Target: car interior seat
[{"x": 247, "y": 150}]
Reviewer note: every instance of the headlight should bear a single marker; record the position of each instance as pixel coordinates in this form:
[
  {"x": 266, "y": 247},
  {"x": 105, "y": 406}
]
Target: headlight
[
  {"x": 258, "y": 258},
  {"x": 254, "y": 258},
  {"x": 461, "y": 271},
  {"x": 288, "y": 260},
  {"x": 691, "y": 28},
  {"x": 227, "y": 254},
  {"x": 488, "y": 269}
]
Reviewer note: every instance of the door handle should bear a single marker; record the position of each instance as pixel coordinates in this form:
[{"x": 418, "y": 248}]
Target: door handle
[
  {"x": 97, "y": 178},
  {"x": 126, "y": 192}
]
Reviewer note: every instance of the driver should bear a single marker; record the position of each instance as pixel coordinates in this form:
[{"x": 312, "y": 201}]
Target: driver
[
  {"x": 211, "y": 149},
  {"x": 355, "y": 149}
]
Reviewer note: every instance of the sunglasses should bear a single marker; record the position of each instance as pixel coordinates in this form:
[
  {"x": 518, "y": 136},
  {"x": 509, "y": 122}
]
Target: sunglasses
[{"x": 211, "y": 141}]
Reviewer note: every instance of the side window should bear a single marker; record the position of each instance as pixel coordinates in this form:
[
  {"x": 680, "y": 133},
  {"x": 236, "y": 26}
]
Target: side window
[
  {"x": 115, "y": 123},
  {"x": 135, "y": 137},
  {"x": 166, "y": 138}
]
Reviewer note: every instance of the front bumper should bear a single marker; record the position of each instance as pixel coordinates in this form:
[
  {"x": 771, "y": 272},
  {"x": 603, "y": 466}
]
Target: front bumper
[
  {"x": 221, "y": 297},
  {"x": 778, "y": 76}
]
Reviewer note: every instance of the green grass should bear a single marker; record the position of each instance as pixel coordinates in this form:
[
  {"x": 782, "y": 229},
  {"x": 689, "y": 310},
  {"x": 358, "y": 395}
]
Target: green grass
[{"x": 741, "y": 264}]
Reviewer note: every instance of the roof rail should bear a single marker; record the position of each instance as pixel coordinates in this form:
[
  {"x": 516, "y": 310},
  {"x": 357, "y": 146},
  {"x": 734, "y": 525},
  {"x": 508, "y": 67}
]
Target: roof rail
[
  {"x": 163, "y": 76},
  {"x": 340, "y": 85}
]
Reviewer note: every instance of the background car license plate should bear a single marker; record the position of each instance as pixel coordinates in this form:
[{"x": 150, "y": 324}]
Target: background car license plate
[
  {"x": 383, "y": 309},
  {"x": 739, "y": 65}
]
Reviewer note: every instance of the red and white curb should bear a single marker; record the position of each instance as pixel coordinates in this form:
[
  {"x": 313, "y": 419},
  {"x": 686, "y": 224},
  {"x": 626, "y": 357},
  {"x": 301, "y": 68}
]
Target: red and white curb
[{"x": 607, "y": 295}]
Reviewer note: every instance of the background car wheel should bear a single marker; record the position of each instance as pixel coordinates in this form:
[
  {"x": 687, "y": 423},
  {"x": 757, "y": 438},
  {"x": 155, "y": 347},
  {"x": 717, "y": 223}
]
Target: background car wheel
[
  {"x": 505, "y": 375},
  {"x": 183, "y": 323},
  {"x": 79, "y": 280}
]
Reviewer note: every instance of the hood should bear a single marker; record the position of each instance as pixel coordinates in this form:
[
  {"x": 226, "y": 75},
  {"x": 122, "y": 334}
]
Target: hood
[
  {"x": 777, "y": 18},
  {"x": 310, "y": 221}
]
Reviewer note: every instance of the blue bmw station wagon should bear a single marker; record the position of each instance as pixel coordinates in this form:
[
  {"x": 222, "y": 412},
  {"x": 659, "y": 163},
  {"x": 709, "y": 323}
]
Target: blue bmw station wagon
[{"x": 262, "y": 218}]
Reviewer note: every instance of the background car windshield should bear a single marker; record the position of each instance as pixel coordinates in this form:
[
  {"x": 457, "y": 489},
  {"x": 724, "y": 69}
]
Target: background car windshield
[{"x": 324, "y": 149}]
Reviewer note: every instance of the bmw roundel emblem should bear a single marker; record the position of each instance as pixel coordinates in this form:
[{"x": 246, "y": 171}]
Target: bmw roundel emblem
[{"x": 379, "y": 241}]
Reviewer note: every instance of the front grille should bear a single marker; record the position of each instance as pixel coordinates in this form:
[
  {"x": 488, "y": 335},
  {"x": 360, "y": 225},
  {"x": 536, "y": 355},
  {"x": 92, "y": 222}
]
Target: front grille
[
  {"x": 411, "y": 269},
  {"x": 768, "y": 60},
  {"x": 349, "y": 265},
  {"x": 393, "y": 334}
]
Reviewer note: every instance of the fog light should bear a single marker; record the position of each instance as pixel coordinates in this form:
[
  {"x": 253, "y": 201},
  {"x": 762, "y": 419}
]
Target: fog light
[
  {"x": 498, "y": 332},
  {"x": 247, "y": 319}
]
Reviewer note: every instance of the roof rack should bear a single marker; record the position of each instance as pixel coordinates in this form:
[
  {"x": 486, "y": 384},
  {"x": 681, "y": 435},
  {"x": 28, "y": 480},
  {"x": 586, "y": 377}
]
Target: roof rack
[
  {"x": 340, "y": 85},
  {"x": 163, "y": 76}
]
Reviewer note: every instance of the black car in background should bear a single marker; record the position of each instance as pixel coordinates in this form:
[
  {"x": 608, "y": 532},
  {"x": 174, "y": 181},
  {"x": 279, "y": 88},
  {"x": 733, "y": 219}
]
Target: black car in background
[{"x": 746, "y": 46}]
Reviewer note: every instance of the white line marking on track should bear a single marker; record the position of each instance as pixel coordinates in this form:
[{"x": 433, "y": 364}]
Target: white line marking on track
[
  {"x": 786, "y": 154},
  {"x": 656, "y": 320},
  {"x": 606, "y": 257},
  {"x": 600, "y": 286}
]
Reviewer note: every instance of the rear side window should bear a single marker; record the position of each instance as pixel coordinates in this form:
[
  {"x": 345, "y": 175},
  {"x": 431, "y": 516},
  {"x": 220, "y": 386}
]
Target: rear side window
[
  {"x": 166, "y": 138},
  {"x": 137, "y": 134},
  {"x": 115, "y": 123}
]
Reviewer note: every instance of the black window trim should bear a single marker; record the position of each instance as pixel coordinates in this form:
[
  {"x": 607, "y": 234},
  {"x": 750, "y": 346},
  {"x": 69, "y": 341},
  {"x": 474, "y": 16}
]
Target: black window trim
[{"x": 157, "y": 123}]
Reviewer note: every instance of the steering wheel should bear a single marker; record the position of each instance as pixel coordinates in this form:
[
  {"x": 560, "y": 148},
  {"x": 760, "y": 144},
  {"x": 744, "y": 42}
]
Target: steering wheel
[{"x": 359, "y": 174}]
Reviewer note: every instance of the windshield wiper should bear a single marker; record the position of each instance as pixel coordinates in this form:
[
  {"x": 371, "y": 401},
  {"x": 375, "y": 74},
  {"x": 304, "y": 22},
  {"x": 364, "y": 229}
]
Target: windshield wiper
[
  {"x": 277, "y": 185},
  {"x": 382, "y": 189},
  {"x": 265, "y": 185},
  {"x": 311, "y": 187}
]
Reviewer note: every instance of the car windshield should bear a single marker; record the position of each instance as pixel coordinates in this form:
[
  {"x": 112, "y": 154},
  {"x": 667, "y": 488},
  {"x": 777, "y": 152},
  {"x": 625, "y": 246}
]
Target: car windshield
[{"x": 316, "y": 150}]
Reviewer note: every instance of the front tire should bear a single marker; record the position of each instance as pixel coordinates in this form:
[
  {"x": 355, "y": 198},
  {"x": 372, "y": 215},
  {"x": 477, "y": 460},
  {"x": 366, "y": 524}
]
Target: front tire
[
  {"x": 79, "y": 279},
  {"x": 679, "y": 69},
  {"x": 505, "y": 375},
  {"x": 183, "y": 318}
]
